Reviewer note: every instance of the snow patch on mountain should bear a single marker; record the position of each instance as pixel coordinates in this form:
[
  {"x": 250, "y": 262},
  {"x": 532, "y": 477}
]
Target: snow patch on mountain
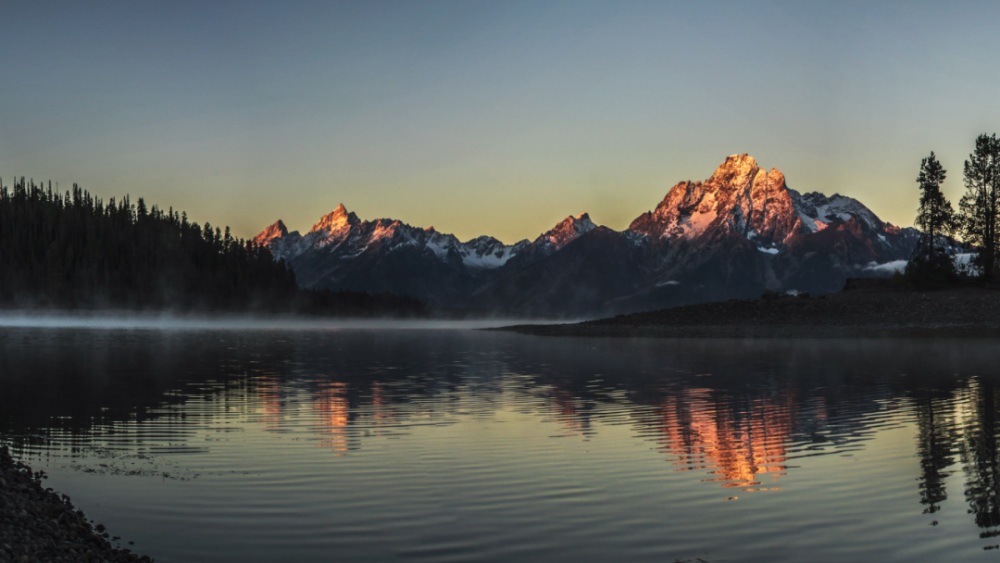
[
  {"x": 817, "y": 211},
  {"x": 696, "y": 223},
  {"x": 487, "y": 252},
  {"x": 438, "y": 248},
  {"x": 494, "y": 260}
]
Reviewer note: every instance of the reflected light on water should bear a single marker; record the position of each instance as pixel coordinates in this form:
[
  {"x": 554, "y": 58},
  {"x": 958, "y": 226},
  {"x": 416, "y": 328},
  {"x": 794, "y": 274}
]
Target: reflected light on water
[
  {"x": 381, "y": 445},
  {"x": 740, "y": 446},
  {"x": 330, "y": 403}
]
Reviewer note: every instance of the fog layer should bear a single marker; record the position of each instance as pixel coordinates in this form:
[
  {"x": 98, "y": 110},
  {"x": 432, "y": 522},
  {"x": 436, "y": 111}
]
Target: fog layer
[{"x": 146, "y": 321}]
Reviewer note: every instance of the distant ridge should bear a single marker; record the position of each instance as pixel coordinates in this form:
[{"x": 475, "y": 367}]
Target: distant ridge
[{"x": 741, "y": 231}]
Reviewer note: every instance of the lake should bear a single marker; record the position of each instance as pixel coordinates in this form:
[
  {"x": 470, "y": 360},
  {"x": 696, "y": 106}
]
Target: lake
[{"x": 369, "y": 444}]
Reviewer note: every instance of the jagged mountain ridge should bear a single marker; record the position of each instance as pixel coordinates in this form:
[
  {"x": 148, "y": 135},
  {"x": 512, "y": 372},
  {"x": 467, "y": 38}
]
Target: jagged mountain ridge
[
  {"x": 342, "y": 251},
  {"x": 741, "y": 231}
]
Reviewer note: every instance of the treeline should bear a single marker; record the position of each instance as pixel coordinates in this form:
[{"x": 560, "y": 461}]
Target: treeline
[
  {"x": 73, "y": 251},
  {"x": 977, "y": 220}
]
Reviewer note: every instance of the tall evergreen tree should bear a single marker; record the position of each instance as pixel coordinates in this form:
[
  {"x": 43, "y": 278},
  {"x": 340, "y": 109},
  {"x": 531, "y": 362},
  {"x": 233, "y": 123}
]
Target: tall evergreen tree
[
  {"x": 979, "y": 208},
  {"x": 935, "y": 217}
]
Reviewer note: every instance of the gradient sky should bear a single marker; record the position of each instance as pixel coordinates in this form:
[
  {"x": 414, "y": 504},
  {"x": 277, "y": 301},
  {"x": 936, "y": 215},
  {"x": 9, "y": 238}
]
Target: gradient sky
[{"x": 495, "y": 118}]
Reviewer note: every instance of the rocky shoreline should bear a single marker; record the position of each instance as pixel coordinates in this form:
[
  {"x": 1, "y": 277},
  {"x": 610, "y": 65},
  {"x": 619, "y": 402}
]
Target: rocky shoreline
[
  {"x": 37, "y": 524},
  {"x": 866, "y": 308}
]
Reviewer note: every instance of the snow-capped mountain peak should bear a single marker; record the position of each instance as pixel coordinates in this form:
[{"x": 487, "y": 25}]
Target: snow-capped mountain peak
[
  {"x": 566, "y": 231},
  {"x": 743, "y": 199},
  {"x": 739, "y": 198}
]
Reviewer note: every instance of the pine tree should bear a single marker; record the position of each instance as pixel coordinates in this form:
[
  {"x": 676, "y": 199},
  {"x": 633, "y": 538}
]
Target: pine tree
[
  {"x": 979, "y": 208},
  {"x": 935, "y": 217}
]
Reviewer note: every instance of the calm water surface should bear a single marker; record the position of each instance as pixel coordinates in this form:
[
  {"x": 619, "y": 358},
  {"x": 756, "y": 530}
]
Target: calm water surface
[{"x": 456, "y": 445}]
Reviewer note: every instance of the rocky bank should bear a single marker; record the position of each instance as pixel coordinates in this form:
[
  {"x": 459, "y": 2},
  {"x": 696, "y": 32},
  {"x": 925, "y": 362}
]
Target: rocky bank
[{"x": 37, "y": 524}]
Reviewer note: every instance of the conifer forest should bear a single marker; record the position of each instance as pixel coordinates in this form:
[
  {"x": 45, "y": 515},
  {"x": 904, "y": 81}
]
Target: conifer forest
[{"x": 74, "y": 251}]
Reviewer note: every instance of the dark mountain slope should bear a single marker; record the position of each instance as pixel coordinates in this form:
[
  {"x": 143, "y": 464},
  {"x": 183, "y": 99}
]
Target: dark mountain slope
[{"x": 577, "y": 280}]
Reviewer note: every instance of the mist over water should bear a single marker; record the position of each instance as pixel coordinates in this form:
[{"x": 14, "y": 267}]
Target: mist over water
[
  {"x": 168, "y": 321},
  {"x": 385, "y": 445}
]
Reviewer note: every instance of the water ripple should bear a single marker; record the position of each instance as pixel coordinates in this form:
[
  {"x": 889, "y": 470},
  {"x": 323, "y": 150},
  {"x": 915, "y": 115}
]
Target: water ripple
[{"x": 451, "y": 445}]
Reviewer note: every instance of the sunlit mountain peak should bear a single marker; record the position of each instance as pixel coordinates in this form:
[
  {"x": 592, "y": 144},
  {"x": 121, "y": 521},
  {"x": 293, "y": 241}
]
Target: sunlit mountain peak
[
  {"x": 277, "y": 230},
  {"x": 738, "y": 169},
  {"x": 567, "y": 230},
  {"x": 335, "y": 220}
]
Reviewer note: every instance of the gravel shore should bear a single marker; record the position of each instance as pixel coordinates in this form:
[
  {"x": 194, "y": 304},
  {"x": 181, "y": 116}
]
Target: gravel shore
[
  {"x": 37, "y": 524},
  {"x": 861, "y": 310}
]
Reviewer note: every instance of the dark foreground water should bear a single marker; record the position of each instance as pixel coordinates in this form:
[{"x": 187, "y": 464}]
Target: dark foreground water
[{"x": 452, "y": 445}]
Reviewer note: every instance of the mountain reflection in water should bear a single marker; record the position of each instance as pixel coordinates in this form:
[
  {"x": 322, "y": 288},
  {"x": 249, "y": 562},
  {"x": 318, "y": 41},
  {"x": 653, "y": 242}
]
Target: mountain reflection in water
[{"x": 731, "y": 417}]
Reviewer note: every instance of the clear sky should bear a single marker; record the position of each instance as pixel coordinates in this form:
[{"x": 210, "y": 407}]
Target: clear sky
[{"x": 495, "y": 118}]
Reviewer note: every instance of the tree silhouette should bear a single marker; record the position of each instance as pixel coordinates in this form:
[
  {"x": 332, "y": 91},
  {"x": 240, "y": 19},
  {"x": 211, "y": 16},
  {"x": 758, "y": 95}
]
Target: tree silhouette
[
  {"x": 981, "y": 458},
  {"x": 935, "y": 218},
  {"x": 979, "y": 208},
  {"x": 935, "y": 449}
]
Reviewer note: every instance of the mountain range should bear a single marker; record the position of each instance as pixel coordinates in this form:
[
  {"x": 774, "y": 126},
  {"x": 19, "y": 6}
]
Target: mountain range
[{"x": 738, "y": 233}]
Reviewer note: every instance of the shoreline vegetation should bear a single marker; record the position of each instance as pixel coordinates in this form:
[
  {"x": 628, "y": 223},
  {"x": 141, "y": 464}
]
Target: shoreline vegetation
[
  {"x": 38, "y": 524},
  {"x": 72, "y": 251},
  {"x": 869, "y": 307}
]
